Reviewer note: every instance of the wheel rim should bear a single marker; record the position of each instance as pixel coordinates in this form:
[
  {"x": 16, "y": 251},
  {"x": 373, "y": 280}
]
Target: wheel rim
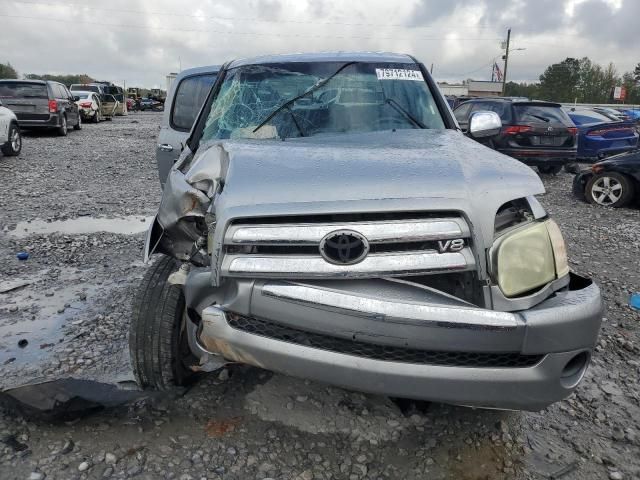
[
  {"x": 16, "y": 141},
  {"x": 79, "y": 121},
  {"x": 606, "y": 191},
  {"x": 64, "y": 124}
]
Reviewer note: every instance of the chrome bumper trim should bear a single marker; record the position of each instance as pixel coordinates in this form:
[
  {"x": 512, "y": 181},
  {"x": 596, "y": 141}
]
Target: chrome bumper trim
[{"x": 411, "y": 313}]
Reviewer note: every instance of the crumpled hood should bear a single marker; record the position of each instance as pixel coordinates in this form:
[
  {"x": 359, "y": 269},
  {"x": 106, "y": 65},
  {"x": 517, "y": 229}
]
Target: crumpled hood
[
  {"x": 402, "y": 171},
  {"x": 372, "y": 166}
]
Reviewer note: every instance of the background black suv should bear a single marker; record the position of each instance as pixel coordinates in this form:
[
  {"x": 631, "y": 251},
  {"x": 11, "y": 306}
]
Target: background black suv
[
  {"x": 41, "y": 104},
  {"x": 538, "y": 134}
]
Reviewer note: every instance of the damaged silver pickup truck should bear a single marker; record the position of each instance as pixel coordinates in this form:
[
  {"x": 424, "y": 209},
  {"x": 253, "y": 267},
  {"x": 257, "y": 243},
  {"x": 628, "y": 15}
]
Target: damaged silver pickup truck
[{"x": 327, "y": 219}]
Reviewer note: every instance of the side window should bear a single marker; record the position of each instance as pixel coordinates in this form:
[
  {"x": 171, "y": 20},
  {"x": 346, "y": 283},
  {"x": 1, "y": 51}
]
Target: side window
[
  {"x": 60, "y": 91},
  {"x": 189, "y": 98},
  {"x": 462, "y": 112},
  {"x": 502, "y": 109}
]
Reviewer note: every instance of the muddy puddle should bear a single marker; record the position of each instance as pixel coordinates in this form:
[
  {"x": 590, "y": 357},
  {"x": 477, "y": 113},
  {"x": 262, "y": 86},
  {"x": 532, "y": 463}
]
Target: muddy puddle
[
  {"x": 83, "y": 225},
  {"x": 32, "y": 314}
]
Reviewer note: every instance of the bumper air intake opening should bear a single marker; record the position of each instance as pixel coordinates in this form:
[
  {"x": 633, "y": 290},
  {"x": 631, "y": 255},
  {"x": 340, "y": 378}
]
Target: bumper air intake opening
[
  {"x": 372, "y": 351},
  {"x": 577, "y": 282}
]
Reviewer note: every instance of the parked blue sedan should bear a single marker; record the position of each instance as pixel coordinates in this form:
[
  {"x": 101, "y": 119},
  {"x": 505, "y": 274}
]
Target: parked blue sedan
[
  {"x": 600, "y": 137},
  {"x": 633, "y": 113}
]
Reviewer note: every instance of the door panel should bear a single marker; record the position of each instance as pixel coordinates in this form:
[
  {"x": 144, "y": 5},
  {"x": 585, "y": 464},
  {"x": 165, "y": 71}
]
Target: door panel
[
  {"x": 170, "y": 144},
  {"x": 109, "y": 105},
  {"x": 189, "y": 97}
]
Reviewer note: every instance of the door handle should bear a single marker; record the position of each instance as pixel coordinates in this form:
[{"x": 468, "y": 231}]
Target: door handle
[{"x": 165, "y": 147}]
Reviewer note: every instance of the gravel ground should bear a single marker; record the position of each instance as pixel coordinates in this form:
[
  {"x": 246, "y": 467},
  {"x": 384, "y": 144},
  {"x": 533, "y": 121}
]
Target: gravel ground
[{"x": 70, "y": 302}]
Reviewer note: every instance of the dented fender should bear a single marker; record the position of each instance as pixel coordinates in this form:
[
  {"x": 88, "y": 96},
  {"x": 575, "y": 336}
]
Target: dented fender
[{"x": 179, "y": 228}]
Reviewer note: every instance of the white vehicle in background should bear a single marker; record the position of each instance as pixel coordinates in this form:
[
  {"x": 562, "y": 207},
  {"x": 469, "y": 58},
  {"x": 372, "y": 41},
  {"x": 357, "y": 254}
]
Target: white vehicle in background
[
  {"x": 89, "y": 106},
  {"x": 10, "y": 137}
]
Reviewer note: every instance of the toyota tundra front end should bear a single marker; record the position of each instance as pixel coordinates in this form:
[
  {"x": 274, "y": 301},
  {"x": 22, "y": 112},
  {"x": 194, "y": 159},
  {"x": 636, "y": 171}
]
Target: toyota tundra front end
[{"x": 328, "y": 220}]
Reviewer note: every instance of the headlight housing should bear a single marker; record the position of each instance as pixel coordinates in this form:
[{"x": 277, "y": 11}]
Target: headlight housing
[{"x": 529, "y": 258}]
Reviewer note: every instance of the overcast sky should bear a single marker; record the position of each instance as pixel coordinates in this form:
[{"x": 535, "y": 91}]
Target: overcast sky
[{"x": 140, "y": 41}]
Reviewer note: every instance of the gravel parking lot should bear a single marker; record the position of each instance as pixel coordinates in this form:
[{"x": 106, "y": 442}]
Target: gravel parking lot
[{"x": 70, "y": 303}]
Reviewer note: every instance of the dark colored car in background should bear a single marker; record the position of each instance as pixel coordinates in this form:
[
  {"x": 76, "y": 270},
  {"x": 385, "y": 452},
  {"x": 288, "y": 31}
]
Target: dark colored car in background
[
  {"x": 632, "y": 113},
  {"x": 612, "y": 113},
  {"x": 538, "y": 134},
  {"x": 40, "y": 104},
  {"x": 150, "y": 104},
  {"x": 599, "y": 136},
  {"x": 614, "y": 182}
]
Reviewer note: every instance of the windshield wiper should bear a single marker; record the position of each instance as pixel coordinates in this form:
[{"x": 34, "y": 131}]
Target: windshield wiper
[
  {"x": 312, "y": 89},
  {"x": 544, "y": 119},
  {"x": 400, "y": 109}
]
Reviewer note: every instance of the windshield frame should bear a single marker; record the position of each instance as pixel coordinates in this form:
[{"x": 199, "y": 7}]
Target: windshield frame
[{"x": 197, "y": 130}]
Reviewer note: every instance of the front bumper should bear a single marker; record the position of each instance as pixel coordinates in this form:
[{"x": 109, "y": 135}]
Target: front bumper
[
  {"x": 597, "y": 150},
  {"x": 560, "y": 331},
  {"x": 580, "y": 182}
]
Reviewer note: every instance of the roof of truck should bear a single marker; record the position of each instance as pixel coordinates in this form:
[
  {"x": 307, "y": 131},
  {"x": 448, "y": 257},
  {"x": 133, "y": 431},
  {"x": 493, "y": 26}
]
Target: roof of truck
[{"x": 384, "y": 57}]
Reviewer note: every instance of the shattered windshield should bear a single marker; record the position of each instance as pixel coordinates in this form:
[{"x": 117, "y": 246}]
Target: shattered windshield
[{"x": 304, "y": 99}]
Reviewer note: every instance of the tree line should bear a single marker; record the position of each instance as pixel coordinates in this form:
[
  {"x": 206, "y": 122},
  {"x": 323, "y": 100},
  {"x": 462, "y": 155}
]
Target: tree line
[
  {"x": 7, "y": 71},
  {"x": 572, "y": 80},
  {"x": 581, "y": 81}
]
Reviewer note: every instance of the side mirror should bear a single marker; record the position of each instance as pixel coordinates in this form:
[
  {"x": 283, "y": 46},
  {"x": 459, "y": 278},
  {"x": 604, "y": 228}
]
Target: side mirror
[
  {"x": 76, "y": 98},
  {"x": 484, "y": 124}
]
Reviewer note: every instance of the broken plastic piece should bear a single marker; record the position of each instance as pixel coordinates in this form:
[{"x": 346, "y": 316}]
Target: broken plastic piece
[
  {"x": 22, "y": 255},
  {"x": 69, "y": 396}
]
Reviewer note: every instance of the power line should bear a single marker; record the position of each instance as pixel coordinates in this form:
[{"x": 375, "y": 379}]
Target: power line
[
  {"x": 461, "y": 74},
  {"x": 228, "y": 32},
  {"x": 243, "y": 19}
]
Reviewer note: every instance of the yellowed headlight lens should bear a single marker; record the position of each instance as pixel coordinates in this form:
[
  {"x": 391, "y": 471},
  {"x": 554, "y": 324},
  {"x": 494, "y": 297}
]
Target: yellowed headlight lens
[
  {"x": 559, "y": 249},
  {"x": 525, "y": 260}
]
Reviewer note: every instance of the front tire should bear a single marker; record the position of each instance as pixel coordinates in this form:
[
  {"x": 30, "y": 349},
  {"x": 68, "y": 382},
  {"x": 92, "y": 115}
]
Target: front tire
[
  {"x": 14, "y": 146},
  {"x": 609, "y": 190},
  {"x": 78, "y": 126},
  {"x": 158, "y": 345},
  {"x": 96, "y": 117}
]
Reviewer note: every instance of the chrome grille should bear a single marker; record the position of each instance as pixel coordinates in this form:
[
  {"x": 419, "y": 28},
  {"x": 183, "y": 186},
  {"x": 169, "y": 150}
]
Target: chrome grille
[{"x": 398, "y": 247}]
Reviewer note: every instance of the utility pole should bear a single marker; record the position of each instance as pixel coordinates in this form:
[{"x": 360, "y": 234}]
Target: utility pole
[
  {"x": 506, "y": 63},
  {"x": 431, "y": 72}
]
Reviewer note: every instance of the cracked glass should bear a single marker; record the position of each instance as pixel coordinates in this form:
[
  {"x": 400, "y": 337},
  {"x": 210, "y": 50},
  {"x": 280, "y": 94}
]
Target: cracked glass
[{"x": 361, "y": 97}]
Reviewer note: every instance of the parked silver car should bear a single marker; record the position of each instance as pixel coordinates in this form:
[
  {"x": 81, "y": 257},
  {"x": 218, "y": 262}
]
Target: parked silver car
[{"x": 363, "y": 243}]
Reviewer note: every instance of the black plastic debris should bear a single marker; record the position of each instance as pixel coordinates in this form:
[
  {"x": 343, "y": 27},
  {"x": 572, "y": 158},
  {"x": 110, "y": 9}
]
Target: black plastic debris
[
  {"x": 69, "y": 396},
  {"x": 13, "y": 443}
]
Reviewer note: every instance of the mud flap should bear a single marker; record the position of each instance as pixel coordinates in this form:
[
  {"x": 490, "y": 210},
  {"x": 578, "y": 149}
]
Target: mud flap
[{"x": 152, "y": 239}]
